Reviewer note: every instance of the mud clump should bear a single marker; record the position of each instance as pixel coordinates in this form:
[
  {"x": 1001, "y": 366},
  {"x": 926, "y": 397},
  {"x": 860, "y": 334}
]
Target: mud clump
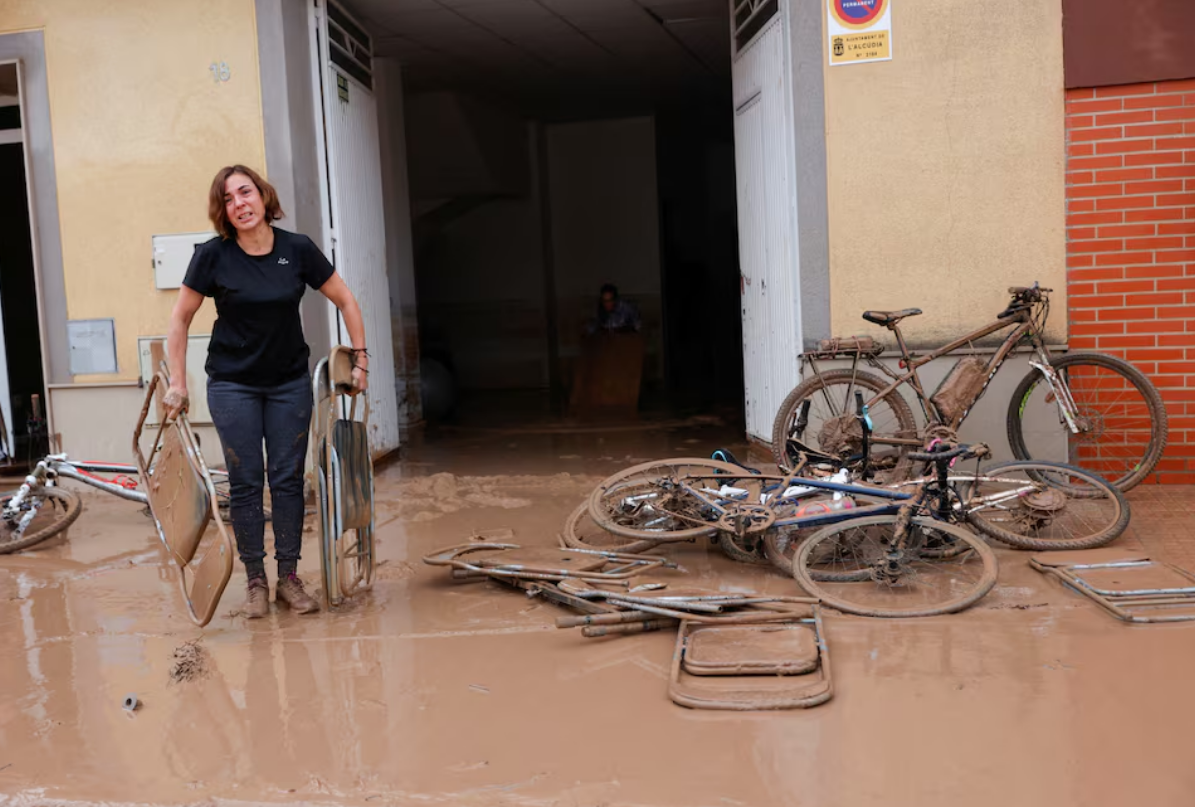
[{"x": 189, "y": 662}]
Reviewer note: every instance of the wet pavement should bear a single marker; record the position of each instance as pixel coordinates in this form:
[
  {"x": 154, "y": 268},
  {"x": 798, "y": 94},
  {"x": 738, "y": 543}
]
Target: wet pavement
[{"x": 425, "y": 691}]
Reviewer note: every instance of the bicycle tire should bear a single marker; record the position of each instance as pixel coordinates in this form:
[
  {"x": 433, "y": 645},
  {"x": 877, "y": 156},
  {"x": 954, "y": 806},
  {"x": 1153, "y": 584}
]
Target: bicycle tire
[
  {"x": 1099, "y": 503},
  {"x": 838, "y": 595},
  {"x": 778, "y": 545},
  {"x": 70, "y": 504},
  {"x": 605, "y": 496},
  {"x": 730, "y": 547},
  {"x": 1020, "y": 405},
  {"x": 905, "y": 426},
  {"x": 581, "y": 532}
]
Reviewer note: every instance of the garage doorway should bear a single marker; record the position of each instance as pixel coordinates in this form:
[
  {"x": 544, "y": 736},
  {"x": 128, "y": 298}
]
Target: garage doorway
[
  {"x": 553, "y": 148},
  {"x": 22, "y": 382}
]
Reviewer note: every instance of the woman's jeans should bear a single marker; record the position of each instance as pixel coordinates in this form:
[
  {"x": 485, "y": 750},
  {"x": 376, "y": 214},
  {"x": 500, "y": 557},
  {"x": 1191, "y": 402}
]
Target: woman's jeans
[{"x": 281, "y": 417}]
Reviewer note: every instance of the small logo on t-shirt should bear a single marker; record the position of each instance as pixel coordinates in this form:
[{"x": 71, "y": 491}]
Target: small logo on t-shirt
[{"x": 283, "y": 261}]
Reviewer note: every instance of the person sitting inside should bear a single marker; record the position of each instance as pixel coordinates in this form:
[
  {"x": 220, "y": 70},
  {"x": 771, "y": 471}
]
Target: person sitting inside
[{"x": 614, "y": 313}]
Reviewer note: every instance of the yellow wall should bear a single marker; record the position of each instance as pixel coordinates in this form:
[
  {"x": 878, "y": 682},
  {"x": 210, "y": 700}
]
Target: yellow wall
[
  {"x": 945, "y": 167},
  {"x": 140, "y": 127}
]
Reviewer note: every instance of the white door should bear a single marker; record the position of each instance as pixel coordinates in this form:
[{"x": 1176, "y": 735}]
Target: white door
[
  {"x": 355, "y": 215},
  {"x": 763, "y": 137}
]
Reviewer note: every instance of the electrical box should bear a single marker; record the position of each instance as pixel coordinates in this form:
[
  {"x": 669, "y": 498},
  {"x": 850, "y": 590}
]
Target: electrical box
[
  {"x": 172, "y": 256},
  {"x": 149, "y": 355}
]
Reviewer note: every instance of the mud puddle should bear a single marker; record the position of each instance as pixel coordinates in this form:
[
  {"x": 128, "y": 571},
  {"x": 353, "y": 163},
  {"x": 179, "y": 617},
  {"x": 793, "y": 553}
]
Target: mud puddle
[{"x": 429, "y": 692}]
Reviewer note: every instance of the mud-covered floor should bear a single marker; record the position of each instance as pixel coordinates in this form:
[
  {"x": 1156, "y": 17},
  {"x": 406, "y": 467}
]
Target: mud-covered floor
[{"x": 428, "y": 692}]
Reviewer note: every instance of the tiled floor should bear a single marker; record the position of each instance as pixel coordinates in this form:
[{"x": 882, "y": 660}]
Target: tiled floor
[{"x": 1163, "y": 523}]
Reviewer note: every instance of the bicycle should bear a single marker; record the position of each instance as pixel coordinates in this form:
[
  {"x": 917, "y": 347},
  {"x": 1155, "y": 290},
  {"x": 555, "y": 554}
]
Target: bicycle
[
  {"x": 1100, "y": 410},
  {"x": 916, "y": 563},
  {"x": 41, "y": 509},
  {"x": 760, "y": 517}
]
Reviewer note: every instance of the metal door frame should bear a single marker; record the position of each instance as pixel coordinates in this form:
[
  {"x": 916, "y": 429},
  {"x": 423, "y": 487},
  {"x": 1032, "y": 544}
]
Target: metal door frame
[{"x": 321, "y": 66}]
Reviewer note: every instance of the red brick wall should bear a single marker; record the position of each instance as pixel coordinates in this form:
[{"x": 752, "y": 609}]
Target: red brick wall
[{"x": 1131, "y": 241}]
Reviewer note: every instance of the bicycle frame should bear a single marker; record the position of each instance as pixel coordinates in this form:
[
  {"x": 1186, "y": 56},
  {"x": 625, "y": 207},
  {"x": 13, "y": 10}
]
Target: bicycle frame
[
  {"x": 1022, "y": 329},
  {"x": 702, "y": 489},
  {"x": 726, "y": 506}
]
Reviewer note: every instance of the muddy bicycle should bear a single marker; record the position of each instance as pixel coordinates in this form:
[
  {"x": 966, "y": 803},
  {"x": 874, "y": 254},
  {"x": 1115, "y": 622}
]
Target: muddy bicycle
[
  {"x": 914, "y": 563},
  {"x": 40, "y": 508},
  {"x": 909, "y": 537},
  {"x": 1098, "y": 411},
  {"x": 761, "y": 518},
  {"x": 930, "y": 564}
]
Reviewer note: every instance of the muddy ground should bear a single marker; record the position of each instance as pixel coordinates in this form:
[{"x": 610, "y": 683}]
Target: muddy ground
[{"x": 426, "y": 692}]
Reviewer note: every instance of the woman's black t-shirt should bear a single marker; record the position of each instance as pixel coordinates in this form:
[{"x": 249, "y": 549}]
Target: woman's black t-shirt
[{"x": 258, "y": 337}]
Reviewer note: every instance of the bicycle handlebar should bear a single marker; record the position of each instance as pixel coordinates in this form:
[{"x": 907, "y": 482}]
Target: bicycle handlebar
[
  {"x": 1022, "y": 298},
  {"x": 1028, "y": 293}
]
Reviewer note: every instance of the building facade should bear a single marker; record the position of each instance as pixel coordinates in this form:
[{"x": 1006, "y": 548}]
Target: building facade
[{"x": 1034, "y": 140}]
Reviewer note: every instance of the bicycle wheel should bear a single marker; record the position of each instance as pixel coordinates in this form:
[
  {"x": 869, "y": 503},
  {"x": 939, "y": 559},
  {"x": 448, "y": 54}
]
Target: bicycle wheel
[
  {"x": 917, "y": 579},
  {"x": 648, "y": 501},
  {"x": 581, "y": 532},
  {"x": 1122, "y": 421},
  {"x": 780, "y": 543},
  {"x": 1044, "y": 506},
  {"x": 829, "y": 425},
  {"x": 54, "y": 509},
  {"x": 779, "y": 546}
]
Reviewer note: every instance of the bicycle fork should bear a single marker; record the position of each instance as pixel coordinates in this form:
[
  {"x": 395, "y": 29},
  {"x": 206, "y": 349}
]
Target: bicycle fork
[
  {"x": 12, "y": 510},
  {"x": 1062, "y": 396}
]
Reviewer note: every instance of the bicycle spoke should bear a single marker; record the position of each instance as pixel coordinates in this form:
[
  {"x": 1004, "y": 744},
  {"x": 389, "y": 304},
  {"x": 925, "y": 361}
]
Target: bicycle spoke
[
  {"x": 1119, "y": 420},
  {"x": 860, "y": 567},
  {"x": 819, "y": 419},
  {"x": 1037, "y": 505}
]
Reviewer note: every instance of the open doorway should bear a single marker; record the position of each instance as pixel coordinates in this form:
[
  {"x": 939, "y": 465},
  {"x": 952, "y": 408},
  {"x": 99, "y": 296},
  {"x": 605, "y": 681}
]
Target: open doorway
[
  {"x": 22, "y": 383},
  {"x": 554, "y": 148}
]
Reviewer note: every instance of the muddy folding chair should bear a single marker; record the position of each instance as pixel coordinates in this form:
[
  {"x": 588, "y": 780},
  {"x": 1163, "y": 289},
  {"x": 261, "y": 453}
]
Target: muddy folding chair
[
  {"x": 517, "y": 562},
  {"x": 1129, "y": 585},
  {"x": 747, "y": 666},
  {"x": 182, "y": 500},
  {"x": 343, "y": 470}
]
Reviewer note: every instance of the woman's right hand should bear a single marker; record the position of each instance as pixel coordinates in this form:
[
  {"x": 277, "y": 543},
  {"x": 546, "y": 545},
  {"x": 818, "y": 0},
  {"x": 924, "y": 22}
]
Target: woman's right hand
[{"x": 175, "y": 401}]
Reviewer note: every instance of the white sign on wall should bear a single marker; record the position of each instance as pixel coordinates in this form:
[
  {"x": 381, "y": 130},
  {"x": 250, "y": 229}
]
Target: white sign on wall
[
  {"x": 92, "y": 345},
  {"x": 859, "y": 31}
]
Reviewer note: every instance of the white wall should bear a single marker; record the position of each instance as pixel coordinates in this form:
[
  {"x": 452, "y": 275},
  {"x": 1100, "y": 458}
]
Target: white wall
[{"x": 79, "y": 407}]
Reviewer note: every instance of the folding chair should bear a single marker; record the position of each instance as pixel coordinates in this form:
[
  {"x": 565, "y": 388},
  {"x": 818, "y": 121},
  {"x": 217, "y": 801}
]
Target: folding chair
[
  {"x": 344, "y": 473},
  {"x": 183, "y": 500},
  {"x": 747, "y": 667},
  {"x": 1129, "y": 585}
]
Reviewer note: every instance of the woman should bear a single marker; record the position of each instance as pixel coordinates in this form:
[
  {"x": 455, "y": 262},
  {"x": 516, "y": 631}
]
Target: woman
[{"x": 259, "y": 387}]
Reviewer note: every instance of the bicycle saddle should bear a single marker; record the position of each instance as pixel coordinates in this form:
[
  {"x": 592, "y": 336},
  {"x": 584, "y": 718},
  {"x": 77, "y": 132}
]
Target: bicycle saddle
[{"x": 889, "y": 318}]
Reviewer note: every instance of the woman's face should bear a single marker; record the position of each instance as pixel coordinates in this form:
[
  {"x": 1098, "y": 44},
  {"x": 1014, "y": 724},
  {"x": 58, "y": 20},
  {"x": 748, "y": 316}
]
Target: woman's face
[{"x": 242, "y": 203}]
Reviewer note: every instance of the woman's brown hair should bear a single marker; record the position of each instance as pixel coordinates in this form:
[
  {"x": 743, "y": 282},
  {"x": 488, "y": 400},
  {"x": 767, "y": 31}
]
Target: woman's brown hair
[{"x": 215, "y": 203}]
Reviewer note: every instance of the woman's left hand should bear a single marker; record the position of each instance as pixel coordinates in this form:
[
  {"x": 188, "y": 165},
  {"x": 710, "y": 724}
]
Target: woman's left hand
[{"x": 360, "y": 379}]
